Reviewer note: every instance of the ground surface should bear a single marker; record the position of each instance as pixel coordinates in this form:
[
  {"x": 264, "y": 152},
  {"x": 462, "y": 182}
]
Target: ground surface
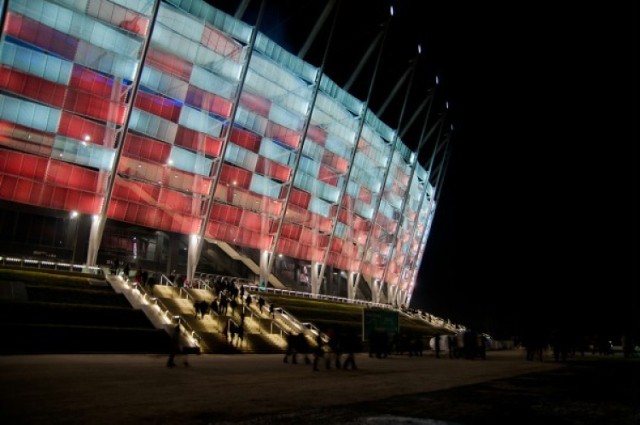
[{"x": 261, "y": 389}]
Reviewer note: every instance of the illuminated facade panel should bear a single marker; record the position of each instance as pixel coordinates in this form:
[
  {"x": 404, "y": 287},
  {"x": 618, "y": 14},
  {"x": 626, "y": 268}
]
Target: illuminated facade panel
[{"x": 125, "y": 106}]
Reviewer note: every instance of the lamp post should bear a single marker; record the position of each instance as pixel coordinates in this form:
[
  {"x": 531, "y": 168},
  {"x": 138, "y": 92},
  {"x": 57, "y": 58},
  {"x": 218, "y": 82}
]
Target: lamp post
[{"x": 73, "y": 215}]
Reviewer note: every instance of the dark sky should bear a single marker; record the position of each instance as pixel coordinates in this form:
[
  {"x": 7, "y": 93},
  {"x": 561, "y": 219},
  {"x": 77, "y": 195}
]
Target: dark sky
[{"x": 537, "y": 219}]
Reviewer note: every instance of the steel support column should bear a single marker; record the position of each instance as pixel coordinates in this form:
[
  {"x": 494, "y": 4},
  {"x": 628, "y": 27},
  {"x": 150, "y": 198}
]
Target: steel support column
[
  {"x": 305, "y": 128},
  {"x": 394, "y": 144},
  {"x": 195, "y": 258},
  {"x": 347, "y": 178},
  {"x": 98, "y": 223}
]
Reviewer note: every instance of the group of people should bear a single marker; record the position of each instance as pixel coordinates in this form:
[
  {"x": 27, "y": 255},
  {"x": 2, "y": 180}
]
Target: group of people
[
  {"x": 331, "y": 351},
  {"x": 140, "y": 277}
]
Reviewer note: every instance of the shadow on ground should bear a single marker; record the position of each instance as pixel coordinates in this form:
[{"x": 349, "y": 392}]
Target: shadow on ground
[{"x": 583, "y": 393}]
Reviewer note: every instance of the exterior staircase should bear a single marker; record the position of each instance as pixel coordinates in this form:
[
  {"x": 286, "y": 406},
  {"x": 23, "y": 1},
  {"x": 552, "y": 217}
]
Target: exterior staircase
[{"x": 261, "y": 333}]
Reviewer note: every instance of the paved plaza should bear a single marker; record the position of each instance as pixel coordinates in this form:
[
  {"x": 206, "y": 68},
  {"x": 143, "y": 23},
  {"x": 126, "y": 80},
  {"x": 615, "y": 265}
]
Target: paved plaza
[{"x": 140, "y": 389}]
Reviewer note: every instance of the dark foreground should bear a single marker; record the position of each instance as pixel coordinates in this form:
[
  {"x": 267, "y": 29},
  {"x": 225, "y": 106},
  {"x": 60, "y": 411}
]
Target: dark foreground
[{"x": 260, "y": 389}]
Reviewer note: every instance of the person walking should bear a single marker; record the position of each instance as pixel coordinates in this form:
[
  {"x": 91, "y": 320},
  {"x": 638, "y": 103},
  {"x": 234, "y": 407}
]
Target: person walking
[
  {"x": 318, "y": 351},
  {"x": 175, "y": 345}
]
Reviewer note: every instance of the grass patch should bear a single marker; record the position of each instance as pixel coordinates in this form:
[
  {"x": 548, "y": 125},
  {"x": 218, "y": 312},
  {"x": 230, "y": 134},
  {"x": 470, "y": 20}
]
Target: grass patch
[
  {"x": 46, "y": 277},
  {"x": 327, "y": 314}
]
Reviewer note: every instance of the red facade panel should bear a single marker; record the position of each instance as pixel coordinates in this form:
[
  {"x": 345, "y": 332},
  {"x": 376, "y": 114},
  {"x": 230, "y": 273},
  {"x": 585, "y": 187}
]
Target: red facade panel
[
  {"x": 348, "y": 202},
  {"x": 300, "y": 198},
  {"x": 51, "y": 172},
  {"x": 86, "y": 80},
  {"x": 31, "y": 86},
  {"x": 25, "y": 139},
  {"x": 163, "y": 175},
  {"x": 152, "y": 217},
  {"x": 365, "y": 195},
  {"x": 227, "y": 214},
  {"x": 298, "y": 250},
  {"x": 36, "y": 193},
  {"x": 312, "y": 238},
  {"x": 158, "y": 105},
  {"x": 328, "y": 176},
  {"x": 22, "y": 165},
  {"x": 179, "y": 202},
  {"x": 234, "y": 176},
  {"x": 143, "y": 147},
  {"x": 343, "y": 263},
  {"x": 69, "y": 175},
  {"x": 346, "y": 217},
  {"x": 245, "y": 138},
  {"x": 79, "y": 128},
  {"x": 272, "y": 169},
  {"x": 339, "y": 164},
  {"x": 317, "y": 134},
  {"x": 41, "y": 35},
  {"x": 299, "y": 215},
  {"x": 95, "y": 107},
  {"x": 255, "y": 222},
  {"x": 198, "y": 142},
  {"x": 137, "y": 192},
  {"x": 220, "y": 43},
  {"x": 169, "y": 63},
  {"x": 238, "y": 236},
  {"x": 283, "y": 134},
  {"x": 291, "y": 231},
  {"x": 255, "y": 103},
  {"x": 61, "y": 96},
  {"x": 208, "y": 102}
]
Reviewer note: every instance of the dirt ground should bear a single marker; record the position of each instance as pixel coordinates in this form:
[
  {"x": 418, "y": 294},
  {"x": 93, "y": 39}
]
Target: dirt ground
[{"x": 261, "y": 389}]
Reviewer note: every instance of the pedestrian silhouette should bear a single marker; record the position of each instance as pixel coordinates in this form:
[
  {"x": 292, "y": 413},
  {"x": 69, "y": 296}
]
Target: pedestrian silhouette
[{"x": 174, "y": 347}]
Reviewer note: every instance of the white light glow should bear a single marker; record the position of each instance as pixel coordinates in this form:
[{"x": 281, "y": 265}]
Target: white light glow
[
  {"x": 419, "y": 49},
  {"x": 391, "y": 10},
  {"x": 73, "y": 214},
  {"x": 437, "y": 80}
]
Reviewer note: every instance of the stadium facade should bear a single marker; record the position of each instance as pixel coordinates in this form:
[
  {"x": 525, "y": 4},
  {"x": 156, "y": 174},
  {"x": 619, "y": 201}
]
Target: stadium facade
[{"x": 170, "y": 134}]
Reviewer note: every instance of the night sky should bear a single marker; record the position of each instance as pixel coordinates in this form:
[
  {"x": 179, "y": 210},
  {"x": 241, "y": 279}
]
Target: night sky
[{"x": 537, "y": 220}]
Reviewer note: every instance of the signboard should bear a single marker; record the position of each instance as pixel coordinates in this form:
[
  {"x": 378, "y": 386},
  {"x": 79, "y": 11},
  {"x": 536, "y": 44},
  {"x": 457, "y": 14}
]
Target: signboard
[{"x": 379, "y": 320}]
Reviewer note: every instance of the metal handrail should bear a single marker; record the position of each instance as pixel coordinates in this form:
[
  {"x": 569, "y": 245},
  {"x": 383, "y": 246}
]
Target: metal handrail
[
  {"x": 166, "y": 312},
  {"x": 333, "y": 298},
  {"x": 50, "y": 265},
  {"x": 165, "y": 281}
]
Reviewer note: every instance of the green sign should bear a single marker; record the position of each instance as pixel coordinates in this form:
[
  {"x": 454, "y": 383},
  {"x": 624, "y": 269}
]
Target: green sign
[{"x": 379, "y": 320}]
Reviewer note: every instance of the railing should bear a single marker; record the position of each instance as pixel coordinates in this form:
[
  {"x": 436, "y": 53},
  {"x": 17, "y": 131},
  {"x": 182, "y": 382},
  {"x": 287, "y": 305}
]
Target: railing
[
  {"x": 50, "y": 265},
  {"x": 209, "y": 278},
  {"x": 200, "y": 283},
  {"x": 164, "y": 280},
  {"x": 283, "y": 331},
  {"x": 165, "y": 310},
  {"x": 333, "y": 298}
]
